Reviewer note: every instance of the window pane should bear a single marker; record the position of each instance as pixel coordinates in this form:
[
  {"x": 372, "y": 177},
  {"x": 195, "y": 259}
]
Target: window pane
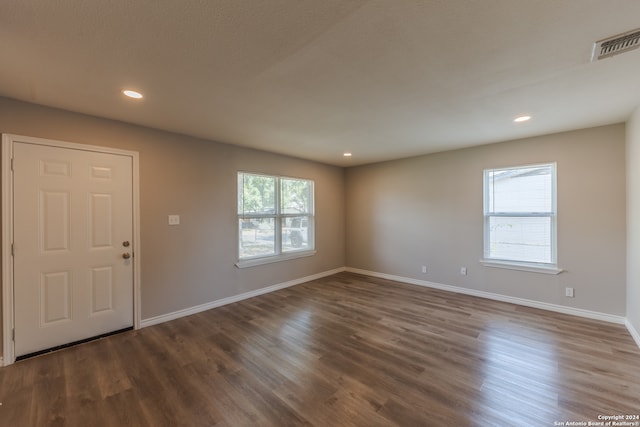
[
  {"x": 275, "y": 215},
  {"x": 257, "y": 194},
  {"x": 526, "y": 239},
  {"x": 296, "y": 196},
  {"x": 295, "y": 234},
  {"x": 257, "y": 237},
  {"x": 520, "y": 190}
]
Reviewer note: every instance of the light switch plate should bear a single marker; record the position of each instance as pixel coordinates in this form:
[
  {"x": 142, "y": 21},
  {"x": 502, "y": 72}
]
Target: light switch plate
[{"x": 174, "y": 219}]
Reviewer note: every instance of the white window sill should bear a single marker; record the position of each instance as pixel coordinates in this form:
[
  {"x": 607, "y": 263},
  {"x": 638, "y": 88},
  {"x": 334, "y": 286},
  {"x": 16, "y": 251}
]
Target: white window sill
[
  {"x": 522, "y": 266},
  {"x": 252, "y": 262}
]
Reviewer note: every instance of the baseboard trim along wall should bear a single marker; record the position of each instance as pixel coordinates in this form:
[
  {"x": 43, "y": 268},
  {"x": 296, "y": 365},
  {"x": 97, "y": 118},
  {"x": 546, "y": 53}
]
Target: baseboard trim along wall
[
  {"x": 229, "y": 300},
  {"x": 514, "y": 300},
  {"x": 497, "y": 297},
  {"x": 634, "y": 333}
]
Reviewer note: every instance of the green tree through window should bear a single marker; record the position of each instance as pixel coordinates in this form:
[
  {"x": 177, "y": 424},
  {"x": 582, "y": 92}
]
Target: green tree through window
[{"x": 275, "y": 215}]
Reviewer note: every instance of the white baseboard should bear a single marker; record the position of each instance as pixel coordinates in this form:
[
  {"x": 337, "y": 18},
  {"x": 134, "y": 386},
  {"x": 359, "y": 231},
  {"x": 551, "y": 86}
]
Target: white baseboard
[
  {"x": 633, "y": 331},
  {"x": 513, "y": 300},
  {"x": 497, "y": 297},
  {"x": 224, "y": 301}
]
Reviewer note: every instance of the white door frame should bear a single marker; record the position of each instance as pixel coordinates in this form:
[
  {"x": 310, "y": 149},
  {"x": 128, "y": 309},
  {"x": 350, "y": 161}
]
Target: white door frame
[{"x": 8, "y": 320}]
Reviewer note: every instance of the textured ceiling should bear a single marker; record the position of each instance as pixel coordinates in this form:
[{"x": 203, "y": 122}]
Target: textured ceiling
[{"x": 383, "y": 79}]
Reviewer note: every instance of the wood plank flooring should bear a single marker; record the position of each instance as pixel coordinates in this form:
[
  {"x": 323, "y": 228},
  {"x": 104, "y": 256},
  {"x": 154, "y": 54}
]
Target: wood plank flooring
[{"x": 346, "y": 350}]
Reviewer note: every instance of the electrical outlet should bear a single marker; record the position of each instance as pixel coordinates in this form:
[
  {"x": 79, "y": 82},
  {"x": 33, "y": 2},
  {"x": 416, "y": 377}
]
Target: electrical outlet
[
  {"x": 569, "y": 292},
  {"x": 463, "y": 271},
  {"x": 174, "y": 219},
  {"x": 424, "y": 268}
]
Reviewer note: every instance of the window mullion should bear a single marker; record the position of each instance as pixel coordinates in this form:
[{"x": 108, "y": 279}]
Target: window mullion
[
  {"x": 519, "y": 214},
  {"x": 278, "y": 220}
]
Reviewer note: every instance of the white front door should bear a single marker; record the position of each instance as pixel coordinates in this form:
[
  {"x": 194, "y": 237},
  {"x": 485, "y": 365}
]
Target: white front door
[{"x": 73, "y": 231}]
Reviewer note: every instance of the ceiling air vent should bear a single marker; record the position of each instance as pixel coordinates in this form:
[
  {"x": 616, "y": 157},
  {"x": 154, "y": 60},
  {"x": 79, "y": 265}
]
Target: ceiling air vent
[{"x": 616, "y": 44}]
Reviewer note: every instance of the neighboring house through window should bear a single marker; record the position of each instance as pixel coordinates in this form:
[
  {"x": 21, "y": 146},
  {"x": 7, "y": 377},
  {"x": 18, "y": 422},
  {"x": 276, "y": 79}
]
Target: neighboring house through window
[{"x": 275, "y": 218}]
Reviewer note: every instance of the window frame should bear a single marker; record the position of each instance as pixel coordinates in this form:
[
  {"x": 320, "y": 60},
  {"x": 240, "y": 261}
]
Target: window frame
[
  {"x": 514, "y": 263},
  {"x": 278, "y": 217}
]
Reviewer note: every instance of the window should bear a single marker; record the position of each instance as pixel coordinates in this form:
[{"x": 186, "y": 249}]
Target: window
[
  {"x": 275, "y": 218},
  {"x": 520, "y": 216}
]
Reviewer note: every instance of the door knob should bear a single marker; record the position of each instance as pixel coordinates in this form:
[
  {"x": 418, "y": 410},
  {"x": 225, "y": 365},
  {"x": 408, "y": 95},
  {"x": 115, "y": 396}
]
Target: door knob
[
  {"x": 126, "y": 255},
  {"x": 125, "y": 243}
]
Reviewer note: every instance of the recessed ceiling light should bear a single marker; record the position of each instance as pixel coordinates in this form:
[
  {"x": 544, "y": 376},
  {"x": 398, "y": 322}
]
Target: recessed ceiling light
[
  {"x": 132, "y": 94},
  {"x": 521, "y": 119},
  {"x": 347, "y": 154}
]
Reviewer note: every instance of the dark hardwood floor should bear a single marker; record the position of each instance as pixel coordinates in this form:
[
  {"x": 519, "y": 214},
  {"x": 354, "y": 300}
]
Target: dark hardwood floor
[{"x": 346, "y": 350}]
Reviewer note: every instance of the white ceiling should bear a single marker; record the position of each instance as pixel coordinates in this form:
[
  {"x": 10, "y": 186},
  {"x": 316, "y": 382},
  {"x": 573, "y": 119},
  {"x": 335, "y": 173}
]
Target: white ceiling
[{"x": 313, "y": 78}]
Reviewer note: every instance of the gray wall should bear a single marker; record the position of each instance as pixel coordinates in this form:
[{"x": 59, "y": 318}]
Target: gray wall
[
  {"x": 193, "y": 263},
  {"x": 390, "y": 217},
  {"x": 633, "y": 220},
  {"x": 428, "y": 211}
]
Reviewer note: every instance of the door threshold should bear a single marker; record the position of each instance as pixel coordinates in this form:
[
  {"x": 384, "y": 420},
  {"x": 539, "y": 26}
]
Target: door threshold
[{"x": 71, "y": 344}]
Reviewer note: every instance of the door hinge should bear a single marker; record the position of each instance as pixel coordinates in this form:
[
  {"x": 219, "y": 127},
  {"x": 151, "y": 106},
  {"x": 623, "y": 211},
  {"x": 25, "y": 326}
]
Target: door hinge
[
  {"x": 13, "y": 250},
  {"x": 12, "y": 164},
  {"x": 13, "y": 334}
]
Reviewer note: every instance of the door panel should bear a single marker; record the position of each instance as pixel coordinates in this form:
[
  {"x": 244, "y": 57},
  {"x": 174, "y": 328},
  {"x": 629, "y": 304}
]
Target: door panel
[
  {"x": 101, "y": 289},
  {"x": 72, "y": 212},
  {"x": 101, "y": 219},
  {"x": 55, "y": 298}
]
